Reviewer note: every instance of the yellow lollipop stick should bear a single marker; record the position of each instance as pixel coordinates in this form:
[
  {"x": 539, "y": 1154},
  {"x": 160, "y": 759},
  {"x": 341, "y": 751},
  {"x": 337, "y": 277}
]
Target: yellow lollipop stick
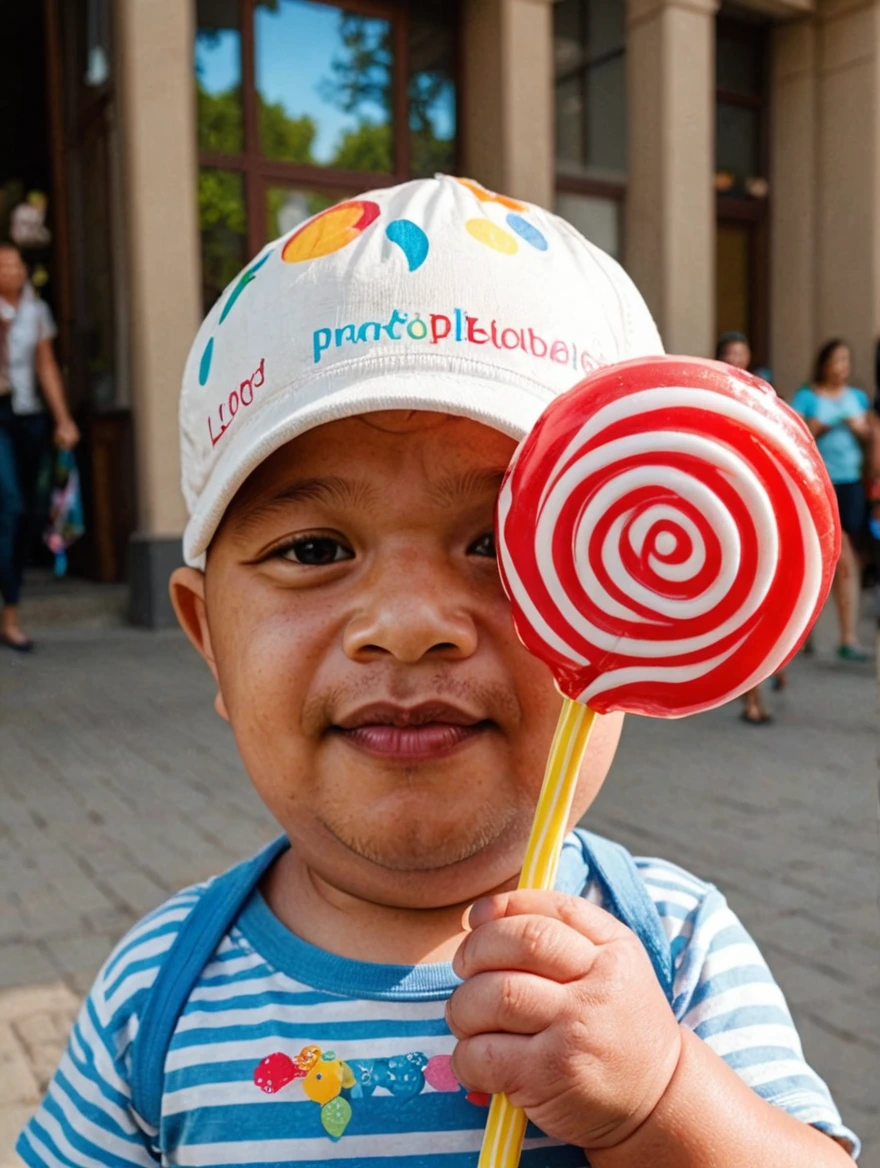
[{"x": 506, "y": 1126}]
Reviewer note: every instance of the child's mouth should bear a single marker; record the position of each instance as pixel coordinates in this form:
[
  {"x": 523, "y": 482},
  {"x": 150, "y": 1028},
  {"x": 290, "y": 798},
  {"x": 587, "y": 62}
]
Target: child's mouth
[{"x": 418, "y": 734}]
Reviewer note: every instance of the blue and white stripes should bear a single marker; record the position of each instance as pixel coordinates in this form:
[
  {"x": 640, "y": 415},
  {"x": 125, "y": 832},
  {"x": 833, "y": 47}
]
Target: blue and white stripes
[{"x": 267, "y": 992}]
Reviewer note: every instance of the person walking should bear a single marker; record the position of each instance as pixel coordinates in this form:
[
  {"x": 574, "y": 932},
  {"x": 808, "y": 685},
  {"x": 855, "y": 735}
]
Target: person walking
[
  {"x": 837, "y": 415},
  {"x": 27, "y": 365},
  {"x": 734, "y": 349}
]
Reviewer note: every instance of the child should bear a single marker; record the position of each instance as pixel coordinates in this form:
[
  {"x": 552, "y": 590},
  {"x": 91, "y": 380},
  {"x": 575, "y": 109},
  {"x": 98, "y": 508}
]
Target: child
[{"x": 355, "y": 995}]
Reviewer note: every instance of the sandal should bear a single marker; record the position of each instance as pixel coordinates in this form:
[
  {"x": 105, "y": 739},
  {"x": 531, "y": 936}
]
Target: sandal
[
  {"x": 762, "y": 719},
  {"x": 25, "y": 646}
]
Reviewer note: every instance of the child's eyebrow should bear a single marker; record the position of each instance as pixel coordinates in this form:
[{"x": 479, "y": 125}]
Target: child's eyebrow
[
  {"x": 454, "y": 487},
  {"x": 333, "y": 489},
  {"x": 448, "y": 490}
]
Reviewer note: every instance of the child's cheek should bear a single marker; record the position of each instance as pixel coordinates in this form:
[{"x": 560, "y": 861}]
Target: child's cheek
[{"x": 264, "y": 659}]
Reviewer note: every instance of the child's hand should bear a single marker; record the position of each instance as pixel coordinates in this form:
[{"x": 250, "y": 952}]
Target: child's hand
[{"x": 561, "y": 1010}]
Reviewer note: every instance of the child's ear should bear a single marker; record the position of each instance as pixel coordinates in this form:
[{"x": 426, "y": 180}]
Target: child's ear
[{"x": 187, "y": 588}]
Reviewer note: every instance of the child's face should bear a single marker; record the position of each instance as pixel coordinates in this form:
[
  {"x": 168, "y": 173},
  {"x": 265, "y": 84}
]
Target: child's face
[
  {"x": 738, "y": 354},
  {"x": 352, "y": 614}
]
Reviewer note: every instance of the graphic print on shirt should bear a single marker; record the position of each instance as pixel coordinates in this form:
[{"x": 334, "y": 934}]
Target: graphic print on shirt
[{"x": 332, "y": 1083}]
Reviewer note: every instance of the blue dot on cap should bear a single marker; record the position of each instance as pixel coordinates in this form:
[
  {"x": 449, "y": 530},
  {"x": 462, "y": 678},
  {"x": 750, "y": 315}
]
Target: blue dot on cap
[
  {"x": 205, "y": 363},
  {"x": 526, "y": 231},
  {"x": 411, "y": 240}
]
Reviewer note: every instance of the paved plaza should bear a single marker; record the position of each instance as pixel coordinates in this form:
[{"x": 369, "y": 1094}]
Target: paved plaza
[{"x": 118, "y": 784}]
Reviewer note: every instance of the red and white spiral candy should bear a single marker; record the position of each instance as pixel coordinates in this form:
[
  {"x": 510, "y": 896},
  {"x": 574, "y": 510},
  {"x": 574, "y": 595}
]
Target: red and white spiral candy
[{"x": 667, "y": 535}]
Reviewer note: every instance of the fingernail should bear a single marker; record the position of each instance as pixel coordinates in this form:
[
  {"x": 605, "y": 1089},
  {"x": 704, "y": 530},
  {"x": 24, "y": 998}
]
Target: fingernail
[{"x": 481, "y": 910}]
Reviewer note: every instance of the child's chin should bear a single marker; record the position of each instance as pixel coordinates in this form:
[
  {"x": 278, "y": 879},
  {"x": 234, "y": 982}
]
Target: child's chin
[{"x": 425, "y": 851}]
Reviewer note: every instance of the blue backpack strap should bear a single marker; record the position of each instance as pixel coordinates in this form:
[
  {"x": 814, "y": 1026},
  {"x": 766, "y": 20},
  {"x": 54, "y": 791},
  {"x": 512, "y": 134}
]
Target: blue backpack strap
[
  {"x": 627, "y": 897},
  {"x": 200, "y": 934}
]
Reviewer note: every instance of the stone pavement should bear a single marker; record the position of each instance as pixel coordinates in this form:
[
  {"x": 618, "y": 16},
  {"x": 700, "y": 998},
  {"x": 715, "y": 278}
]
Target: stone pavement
[{"x": 118, "y": 784}]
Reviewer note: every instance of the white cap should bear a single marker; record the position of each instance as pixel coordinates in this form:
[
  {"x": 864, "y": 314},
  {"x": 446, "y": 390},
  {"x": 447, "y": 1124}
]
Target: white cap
[{"x": 433, "y": 295}]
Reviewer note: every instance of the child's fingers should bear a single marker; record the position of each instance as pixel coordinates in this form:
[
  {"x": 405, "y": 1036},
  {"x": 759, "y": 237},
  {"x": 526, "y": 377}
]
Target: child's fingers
[
  {"x": 504, "y": 1000},
  {"x": 495, "y": 1064},
  {"x": 579, "y": 914},
  {"x": 531, "y": 944}
]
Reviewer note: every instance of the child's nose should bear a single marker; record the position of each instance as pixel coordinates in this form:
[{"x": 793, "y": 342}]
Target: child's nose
[{"x": 410, "y": 612}]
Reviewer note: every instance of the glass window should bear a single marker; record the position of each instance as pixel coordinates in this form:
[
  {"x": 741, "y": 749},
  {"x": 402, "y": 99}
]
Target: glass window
[
  {"x": 737, "y": 141},
  {"x": 606, "y": 29},
  {"x": 740, "y": 106},
  {"x": 431, "y": 88},
  {"x": 99, "y": 52},
  {"x": 321, "y": 97},
  {"x": 606, "y": 112},
  {"x": 589, "y": 57},
  {"x": 568, "y": 35},
  {"x": 324, "y": 86},
  {"x": 597, "y": 219},
  {"x": 570, "y": 121},
  {"x": 218, "y": 77},
  {"x": 740, "y": 157},
  {"x": 223, "y": 230},
  {"x": 739, "y": 62},
  {"x": 589, "y": 39}
]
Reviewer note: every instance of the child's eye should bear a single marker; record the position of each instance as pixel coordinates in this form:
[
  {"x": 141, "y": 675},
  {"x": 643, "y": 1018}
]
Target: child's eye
[
  {"x": 316, "y": 551},
  {"x": 484, "y": 546}
]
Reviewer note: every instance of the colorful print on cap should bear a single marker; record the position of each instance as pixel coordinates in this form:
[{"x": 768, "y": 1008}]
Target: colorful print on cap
[
  {"x": 434, "y": 294},
  {"x": 329, "y": 231},
  {"x": 338, "y": 226},
  {"x": 241, "y": 283},
  {"x": 411, "y": 240}
]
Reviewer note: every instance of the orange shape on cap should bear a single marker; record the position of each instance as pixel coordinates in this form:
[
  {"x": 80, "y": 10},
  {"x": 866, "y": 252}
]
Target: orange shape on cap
[
  {"x": 333, "y": 229},
  {"x": 487, "y": 196},
  {"x": 492, "y": 235}
]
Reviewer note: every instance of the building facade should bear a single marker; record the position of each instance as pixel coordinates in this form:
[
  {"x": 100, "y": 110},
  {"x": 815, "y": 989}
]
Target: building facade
[{"x": 728, "y": 156}]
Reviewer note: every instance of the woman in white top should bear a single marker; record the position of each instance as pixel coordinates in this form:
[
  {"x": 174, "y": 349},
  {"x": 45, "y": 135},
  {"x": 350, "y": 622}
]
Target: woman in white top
[{"x": 27, "y": 365}]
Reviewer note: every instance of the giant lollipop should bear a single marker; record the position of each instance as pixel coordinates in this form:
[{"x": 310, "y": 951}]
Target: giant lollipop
[{"x": 667, "y": 535}]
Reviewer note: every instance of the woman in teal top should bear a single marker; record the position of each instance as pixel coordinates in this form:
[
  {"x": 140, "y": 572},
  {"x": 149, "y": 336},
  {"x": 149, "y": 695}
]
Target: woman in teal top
[{"x": 836, "y": 414}]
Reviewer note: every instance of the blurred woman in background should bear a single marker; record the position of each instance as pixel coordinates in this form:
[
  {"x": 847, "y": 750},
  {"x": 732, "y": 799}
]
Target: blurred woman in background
[
  {"x": 735, "y": 350},
  {"x": 27, "y": 366},
  {"x": 836, "y": 414}
]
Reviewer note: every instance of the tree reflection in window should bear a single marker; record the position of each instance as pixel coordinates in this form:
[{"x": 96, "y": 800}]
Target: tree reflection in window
[
  {"x": 321, "y": 97},
  {"x": 360, "y": 78}
]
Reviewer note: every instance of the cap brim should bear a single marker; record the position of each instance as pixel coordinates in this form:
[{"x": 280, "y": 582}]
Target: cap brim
[{"x": 520, "y": 404}]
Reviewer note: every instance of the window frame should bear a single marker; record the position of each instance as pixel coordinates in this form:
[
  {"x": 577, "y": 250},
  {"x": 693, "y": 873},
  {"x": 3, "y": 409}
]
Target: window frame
[
  {"x": 746, "y": 209},
  {"x": 569, "y": 180},
  {"x": 260, "y": 173}
]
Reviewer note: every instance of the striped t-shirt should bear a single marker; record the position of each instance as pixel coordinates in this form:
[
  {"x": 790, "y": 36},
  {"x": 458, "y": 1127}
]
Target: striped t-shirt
[{"x": 286, "y": 1054}]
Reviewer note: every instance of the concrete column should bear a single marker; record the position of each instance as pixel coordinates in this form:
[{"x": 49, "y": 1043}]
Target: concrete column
[
  {"x": 154, "y": 41},
  {"x": 847, "y": 181},
  {"x": 507, "y": 115},
  {"x": 670, "y": 205},
  {"x": 793, "y": 224}
]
